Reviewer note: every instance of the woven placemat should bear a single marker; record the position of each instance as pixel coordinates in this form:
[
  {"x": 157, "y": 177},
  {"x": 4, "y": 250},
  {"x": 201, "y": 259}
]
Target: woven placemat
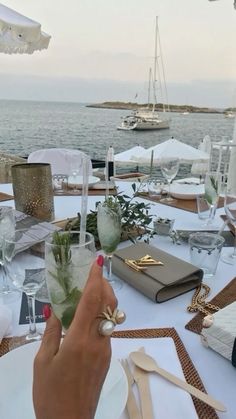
[
  {"x": 91, "y": 192},
  {"x": 184, "y": 204},
  {"x": 191, "y": 375},
  {"x": 226, "y": 296},
  {"x": 5, "y": 197}
]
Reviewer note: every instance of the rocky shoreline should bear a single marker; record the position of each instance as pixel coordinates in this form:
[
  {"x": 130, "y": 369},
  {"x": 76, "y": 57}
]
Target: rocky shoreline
[{"x": 159, "y": 107}]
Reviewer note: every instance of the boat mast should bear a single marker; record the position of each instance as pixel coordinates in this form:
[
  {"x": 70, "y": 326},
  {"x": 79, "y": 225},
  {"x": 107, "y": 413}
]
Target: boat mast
[
  {"x": 163, "y": 77},
  {"x": 155, "y": 69},
  {"x": 149, "y": 86}
]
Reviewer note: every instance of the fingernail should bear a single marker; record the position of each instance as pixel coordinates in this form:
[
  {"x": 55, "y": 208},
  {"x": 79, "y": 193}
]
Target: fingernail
[
  {"x": 100, "y": 260},
  {"x": 46, "y": 311}
]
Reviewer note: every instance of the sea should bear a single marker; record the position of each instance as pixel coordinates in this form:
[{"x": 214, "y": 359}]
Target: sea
[{"x": 26, "y": 126}]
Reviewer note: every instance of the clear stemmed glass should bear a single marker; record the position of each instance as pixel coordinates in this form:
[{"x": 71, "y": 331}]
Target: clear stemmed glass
[
  {"x": 109, "y": 233},
  {"x": 25, "y": 266},
  {"x": 7, "y": 229},
  {"x": 169, "y": 169},
  {"x": 230, "y": 210},
  {"x": 212, "y": 193}
]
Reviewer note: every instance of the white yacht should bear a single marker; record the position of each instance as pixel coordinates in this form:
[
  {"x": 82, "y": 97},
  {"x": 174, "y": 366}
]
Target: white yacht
[
  {"x": 148, "y": 118},
  {"x": 144, "y": 120}
]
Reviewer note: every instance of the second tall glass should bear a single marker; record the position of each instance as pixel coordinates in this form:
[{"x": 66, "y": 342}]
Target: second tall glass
[
  {"x": 109, "y": 233},
  {"x": 212, "y": 193}
]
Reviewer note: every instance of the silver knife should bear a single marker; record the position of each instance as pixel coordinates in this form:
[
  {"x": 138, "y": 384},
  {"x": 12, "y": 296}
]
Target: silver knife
[{"x": 141, "y": 378}]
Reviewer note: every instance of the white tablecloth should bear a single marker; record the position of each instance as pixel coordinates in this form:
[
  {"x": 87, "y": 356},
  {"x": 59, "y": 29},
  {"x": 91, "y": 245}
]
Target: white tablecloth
[{"x": 217, "y": 373}]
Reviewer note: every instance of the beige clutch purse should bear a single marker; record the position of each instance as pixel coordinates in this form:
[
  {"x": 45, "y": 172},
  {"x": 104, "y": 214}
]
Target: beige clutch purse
[{"x": 165, "y": 278}]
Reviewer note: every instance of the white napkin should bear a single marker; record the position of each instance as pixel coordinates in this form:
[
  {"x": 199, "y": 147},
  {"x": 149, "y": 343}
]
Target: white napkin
[
  {"x": 169, "y": 401},
  {"x": 5, "y": 321}
]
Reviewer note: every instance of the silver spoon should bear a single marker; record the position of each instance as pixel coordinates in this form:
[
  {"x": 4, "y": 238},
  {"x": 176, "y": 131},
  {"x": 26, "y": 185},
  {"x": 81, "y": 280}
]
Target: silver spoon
[{"x": 147, "y": 363}]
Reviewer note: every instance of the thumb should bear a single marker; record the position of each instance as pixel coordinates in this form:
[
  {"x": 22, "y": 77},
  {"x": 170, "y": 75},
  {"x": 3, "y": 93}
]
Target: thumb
[{"x": 51, "y": 338}]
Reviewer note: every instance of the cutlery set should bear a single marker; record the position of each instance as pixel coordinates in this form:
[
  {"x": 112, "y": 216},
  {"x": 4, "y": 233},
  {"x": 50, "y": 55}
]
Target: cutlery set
[
  {"x": 144, "y": 364},
  {"x": 141, "y": 379}
]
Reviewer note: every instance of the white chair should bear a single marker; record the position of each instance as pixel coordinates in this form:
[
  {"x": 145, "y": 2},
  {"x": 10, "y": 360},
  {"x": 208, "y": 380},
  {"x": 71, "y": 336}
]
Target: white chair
[
  {"x": 202, "y": 168},
  {"x": 62, "y": 160}
]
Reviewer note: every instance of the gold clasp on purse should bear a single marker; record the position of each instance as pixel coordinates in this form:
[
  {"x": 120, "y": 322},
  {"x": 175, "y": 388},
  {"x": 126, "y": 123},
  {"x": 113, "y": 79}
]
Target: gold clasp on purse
[
  {"x": 148, "y": 261},
  {"x": 142, "y": 264}
]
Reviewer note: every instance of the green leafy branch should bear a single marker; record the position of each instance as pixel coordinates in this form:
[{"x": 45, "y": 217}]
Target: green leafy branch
[{"x": 135, "y": 218}]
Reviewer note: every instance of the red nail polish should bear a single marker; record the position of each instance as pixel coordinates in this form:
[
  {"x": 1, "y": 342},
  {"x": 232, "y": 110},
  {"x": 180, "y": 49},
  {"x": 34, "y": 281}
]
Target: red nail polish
[
  {"x": 100, "y": 260},
  {"x": 46, "y": 311}
]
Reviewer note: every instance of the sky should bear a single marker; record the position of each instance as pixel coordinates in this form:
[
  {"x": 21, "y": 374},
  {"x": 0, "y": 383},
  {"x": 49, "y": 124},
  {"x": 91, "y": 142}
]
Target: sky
[{"x": 102, "y": 50}]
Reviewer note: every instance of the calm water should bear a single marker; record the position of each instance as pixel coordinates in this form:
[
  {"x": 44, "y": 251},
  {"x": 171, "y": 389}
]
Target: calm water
[{"x": 27, "y": 126}]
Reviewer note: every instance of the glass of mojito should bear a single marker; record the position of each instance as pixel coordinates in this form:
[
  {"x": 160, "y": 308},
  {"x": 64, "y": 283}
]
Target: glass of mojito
[
  {"x": 67, "y": 263},
  {"x": 109, "y": 233},
  {"x": 212, "y": 193}
]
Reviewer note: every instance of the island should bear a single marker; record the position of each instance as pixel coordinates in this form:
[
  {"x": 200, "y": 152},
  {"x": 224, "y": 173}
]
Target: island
[{"x": 159, "y": 107}]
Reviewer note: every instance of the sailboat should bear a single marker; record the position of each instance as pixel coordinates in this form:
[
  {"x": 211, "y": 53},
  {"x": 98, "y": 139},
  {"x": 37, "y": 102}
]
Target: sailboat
[{"x": 148, "y": 118}]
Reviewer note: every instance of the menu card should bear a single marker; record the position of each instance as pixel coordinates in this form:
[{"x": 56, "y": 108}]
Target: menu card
[{"x": 24, "y": 314}]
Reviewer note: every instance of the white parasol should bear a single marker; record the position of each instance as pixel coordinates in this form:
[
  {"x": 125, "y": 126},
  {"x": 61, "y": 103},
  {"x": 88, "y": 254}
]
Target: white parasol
[
  {"x": 173, "y": 149},
  {"x": 19, "y": 34},
  {"x": 127, "y": 156}
]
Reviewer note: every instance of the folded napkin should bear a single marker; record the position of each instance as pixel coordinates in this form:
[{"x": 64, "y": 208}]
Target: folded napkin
[
  {"x": 5, "y": 321},
  {"x": 169, "y": 401}
]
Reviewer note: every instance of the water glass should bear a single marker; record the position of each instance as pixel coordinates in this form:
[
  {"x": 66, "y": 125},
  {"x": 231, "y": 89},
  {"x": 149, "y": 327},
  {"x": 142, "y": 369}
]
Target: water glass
[
  {"x": 60, "y": 184},
  {"x": 205, "y": 250},
  {"x": 67, "y": 262},
  {"x": 203, "y": 208},
  {"x": 155, "y": 187}
]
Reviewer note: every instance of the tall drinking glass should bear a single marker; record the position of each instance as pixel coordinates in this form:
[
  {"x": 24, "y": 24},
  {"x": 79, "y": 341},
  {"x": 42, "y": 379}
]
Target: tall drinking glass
[
  {"x": 25, "y": 265},
  {"x": 67, "y": 263},
  {"x": 212, "y": 193},
  {"x": 230, "y": 210},
  {"x": 169, "y": 169},
  {"x": 109, "y": 233},
  {"x": 7, "y": 229}
]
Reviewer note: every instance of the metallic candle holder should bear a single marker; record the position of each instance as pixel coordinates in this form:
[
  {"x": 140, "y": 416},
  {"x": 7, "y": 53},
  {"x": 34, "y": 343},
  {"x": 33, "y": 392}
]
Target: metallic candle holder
[{"x": 32, "y": 188}]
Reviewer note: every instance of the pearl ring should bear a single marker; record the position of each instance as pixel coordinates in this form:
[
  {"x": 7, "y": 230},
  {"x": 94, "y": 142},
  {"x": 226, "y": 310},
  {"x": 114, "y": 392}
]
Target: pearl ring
[{"x": 110, "y": 320}]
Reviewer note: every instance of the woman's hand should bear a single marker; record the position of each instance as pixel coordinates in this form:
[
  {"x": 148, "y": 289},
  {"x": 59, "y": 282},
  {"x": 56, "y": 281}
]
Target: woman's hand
[{"x": 68, "y": 378}]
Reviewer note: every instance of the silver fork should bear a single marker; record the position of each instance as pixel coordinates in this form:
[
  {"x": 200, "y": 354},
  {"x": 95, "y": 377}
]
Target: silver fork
[{"x": 132, "y": 407}]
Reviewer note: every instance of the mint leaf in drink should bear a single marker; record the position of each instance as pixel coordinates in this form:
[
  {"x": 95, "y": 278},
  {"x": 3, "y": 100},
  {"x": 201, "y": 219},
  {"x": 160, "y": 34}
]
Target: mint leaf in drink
[
  {"x": 72, "y": 300},
  {"x": 68, "y": 316},
  {"x": 214, "y": 183},
  {"x": 208, "y": 198}
]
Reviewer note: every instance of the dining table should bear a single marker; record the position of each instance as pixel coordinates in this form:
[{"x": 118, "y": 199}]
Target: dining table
[{"x": 217, "y": 373}]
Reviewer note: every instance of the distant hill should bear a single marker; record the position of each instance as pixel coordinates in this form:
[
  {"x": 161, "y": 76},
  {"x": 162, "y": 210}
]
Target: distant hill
[{"x": 158, "y": 107}]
